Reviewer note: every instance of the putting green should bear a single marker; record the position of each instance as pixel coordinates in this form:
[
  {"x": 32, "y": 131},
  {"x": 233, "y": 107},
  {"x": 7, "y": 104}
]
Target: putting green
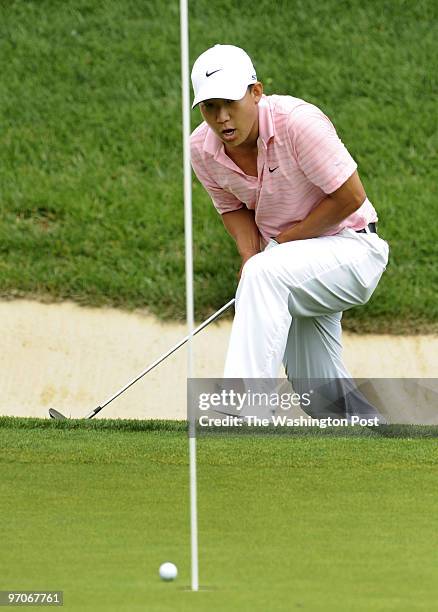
[{"x": 314, "y": 521}]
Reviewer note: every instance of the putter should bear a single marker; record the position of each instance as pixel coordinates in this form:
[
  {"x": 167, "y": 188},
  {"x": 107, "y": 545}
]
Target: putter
[{"x": 55, "y": 414}]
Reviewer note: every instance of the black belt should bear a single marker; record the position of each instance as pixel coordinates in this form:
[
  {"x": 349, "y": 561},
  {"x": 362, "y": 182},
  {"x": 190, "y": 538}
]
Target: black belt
[{"x": 371, "y": 226}]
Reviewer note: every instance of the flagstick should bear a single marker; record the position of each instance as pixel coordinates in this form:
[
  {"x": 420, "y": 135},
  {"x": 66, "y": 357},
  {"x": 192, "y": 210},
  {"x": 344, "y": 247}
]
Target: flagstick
[{"x": 184, "y": 24}]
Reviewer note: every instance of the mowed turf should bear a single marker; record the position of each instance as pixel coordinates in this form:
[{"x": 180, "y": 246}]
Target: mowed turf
[
  {"x": 91, "y": 195},
  {"x": 312, "y": 522}
]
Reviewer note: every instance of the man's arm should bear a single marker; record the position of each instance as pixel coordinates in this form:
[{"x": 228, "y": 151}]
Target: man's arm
[
  {"x": 241, "y": 225},
  {"x": 330, "y": 211}
]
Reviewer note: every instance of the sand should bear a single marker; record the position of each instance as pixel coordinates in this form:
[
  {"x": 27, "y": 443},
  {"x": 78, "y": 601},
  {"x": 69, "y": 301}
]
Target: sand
[{"x": 73, "y": 358}]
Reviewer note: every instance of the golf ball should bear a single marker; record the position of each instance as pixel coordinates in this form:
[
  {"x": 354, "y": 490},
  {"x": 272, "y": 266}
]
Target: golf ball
[{"x": 168, "y": 571}]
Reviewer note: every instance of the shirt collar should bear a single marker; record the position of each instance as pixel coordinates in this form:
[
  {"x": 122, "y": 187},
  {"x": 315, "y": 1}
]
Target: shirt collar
[
  {"x": 212, "y": 144},
  {"x": 266, "y": 124}
]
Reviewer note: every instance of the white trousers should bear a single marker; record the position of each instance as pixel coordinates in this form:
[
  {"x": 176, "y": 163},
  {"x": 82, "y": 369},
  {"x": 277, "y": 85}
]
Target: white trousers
[{"x": 290, "y": 300}]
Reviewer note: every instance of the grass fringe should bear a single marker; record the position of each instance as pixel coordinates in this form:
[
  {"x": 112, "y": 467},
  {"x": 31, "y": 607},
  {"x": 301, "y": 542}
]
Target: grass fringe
[{"x": 174, "y": 426}]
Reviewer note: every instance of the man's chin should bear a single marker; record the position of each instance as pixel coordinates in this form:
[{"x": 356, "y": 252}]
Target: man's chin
[
  {"x": 230, "y": 139},
  {"x": 233, "y": 143}
]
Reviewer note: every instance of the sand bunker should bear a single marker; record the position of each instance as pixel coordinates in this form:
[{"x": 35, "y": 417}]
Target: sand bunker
[{"x": 73, "y": 358}]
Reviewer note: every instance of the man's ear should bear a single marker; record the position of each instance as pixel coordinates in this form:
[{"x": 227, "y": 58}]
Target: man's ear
[{"x": 257, "y": 91}]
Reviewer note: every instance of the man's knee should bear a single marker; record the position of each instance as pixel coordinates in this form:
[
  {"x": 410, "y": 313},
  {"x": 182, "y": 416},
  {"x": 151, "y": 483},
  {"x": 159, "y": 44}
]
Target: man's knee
[
  {"x": 308, "y": 302},
  {"x": 296, "y": 303}
]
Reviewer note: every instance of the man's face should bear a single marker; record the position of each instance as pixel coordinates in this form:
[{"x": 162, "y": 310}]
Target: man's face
[{"x": 234, "y": 121}]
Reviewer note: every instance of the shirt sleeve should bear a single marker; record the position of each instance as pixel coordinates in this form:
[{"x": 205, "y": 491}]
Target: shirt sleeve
[
  {"x": 319, "y": 151},
  {"x": 223, "y": 200}
]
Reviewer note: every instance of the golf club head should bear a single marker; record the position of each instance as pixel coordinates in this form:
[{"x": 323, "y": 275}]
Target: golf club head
[{"x": 54, "y": 414}]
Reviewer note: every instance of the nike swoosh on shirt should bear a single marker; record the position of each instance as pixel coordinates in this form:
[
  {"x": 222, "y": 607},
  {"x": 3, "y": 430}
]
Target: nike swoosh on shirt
[
  {"x": 208, "y": 74},
  {"x": 273, "y": 169}
]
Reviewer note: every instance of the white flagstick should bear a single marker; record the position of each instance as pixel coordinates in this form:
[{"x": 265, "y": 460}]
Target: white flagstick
[{"x": 184, "y": 26}]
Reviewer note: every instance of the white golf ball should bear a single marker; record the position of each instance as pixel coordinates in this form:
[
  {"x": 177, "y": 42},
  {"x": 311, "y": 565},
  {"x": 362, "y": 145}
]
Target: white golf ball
[{"x": 168, "y": 571}]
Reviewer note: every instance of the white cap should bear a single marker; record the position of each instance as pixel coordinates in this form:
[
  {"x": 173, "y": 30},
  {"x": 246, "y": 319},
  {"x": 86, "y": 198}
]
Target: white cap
[{"x": 223, "y": 71}]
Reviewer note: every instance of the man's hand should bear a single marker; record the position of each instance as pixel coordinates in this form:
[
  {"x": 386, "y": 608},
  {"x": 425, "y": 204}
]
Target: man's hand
[
  {"x": 241, "y": 225},
  {"x": 271, "y": 245},
  {"x": 244, "y": 260}
]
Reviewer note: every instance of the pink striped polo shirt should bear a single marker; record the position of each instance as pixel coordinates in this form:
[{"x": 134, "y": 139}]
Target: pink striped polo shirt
[{"x": 300, "y": 160}]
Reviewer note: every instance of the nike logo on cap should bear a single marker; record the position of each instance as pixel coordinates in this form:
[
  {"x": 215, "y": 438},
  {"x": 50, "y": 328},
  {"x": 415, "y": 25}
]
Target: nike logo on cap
[{"x": 208, "y": 74}]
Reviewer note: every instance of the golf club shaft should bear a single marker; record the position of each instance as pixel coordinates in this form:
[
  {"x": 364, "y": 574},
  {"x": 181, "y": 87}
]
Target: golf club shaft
[{"x": 162, "y": 358}]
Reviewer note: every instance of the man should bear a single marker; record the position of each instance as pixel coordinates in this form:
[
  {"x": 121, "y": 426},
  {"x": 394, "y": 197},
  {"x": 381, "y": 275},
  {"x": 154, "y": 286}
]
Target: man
[{"x": 290, "y": 196}]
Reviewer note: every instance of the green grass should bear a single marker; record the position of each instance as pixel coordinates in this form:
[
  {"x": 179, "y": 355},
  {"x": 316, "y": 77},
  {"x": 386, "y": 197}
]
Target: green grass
[
  {"x": 312, "y": 522},
  {"x": 91, "y": 156}
]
